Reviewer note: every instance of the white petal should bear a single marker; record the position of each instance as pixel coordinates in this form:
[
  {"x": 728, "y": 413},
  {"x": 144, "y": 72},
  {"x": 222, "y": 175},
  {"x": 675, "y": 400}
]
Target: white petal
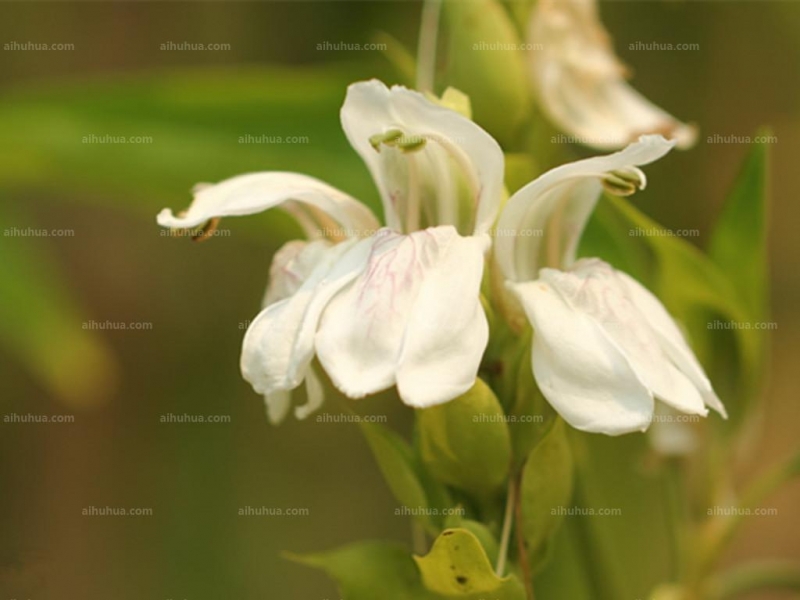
[
  {"x": 279, "y": 344},
  {"x": 559, "y": 203},
  {"x": 424, "y": 187},
  {"x": 323, "y": 210},
  {"x": 580, "y": 371},
  {"x": 595, "y": 289},
  {"x": 369, "y": 335},
  {"x": 672, "y": 339},
  {"x": 447, "y": 329},
  {"x": 277, "y": 405},
  {"x": 314, "y": 394},
  {"x": 292, "y": 265},
  {"x": 581, "y": 83}
]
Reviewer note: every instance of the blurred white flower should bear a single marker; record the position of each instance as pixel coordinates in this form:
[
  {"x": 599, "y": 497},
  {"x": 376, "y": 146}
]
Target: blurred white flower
[
  {"x": 604, "y": 347},
  {"x": 378, "y": 307},
  {"x": 581, "y": 84}
]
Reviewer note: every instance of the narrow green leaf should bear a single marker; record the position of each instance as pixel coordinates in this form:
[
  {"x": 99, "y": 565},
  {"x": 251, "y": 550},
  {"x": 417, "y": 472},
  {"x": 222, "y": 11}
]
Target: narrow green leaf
[
  {"x": 546, "y": 492},
  {"x": 396, "y": 462},
  {"x": 739, "y": 241}
]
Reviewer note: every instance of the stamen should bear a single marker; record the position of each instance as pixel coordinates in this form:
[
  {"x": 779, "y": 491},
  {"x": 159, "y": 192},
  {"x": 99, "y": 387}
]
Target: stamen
[{"x": 208, "y": 230}]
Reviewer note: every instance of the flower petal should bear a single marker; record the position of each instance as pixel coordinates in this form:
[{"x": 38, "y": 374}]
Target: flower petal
[
  {"x": 595, "y": 289},
  {"x": 541, "y": 224},
  {"x": 580, "y": 371},
  {"x": 581, "y": 83},
  {"x": 447, "y": 329},
  {"x": 279, "y": 344},
  {"x": 453, "y": 159},
  {"x": 672, "y": 339},
  {"x": 369, "y": 337},
  {"x": 322, "y": 210}
]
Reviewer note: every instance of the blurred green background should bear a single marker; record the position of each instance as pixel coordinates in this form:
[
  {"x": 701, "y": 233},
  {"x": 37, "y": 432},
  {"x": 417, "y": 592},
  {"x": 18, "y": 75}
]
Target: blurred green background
[{"x": 273, "y": 81}]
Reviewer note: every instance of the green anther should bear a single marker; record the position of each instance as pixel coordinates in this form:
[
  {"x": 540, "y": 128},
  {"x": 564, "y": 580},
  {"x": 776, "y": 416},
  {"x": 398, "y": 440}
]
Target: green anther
[
  {"x": 411, "y": 143},
  {"x": 629, "y": 175},
  {"x": 387, "y": 137},
  {"x": 619, "y": 186}
]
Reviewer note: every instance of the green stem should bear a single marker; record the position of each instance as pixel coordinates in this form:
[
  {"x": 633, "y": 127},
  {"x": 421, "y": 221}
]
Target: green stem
[
  {"x": 505, "y": 537},
  {"x": 426, "y": 48}
]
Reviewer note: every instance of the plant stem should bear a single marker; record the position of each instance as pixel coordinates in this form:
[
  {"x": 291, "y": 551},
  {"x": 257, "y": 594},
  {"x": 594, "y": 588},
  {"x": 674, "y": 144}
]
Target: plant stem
[
  {"x": 426, "y": 47},
  {"x": 522, "y": 551},
  {"x": 505, "y": 536}
]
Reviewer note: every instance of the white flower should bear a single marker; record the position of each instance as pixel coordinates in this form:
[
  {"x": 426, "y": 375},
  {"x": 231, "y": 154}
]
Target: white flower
[
  {"x": 604, "y": 347},
  {"x": 582, "y": 85},
  {"x": 378, "y": 307}
]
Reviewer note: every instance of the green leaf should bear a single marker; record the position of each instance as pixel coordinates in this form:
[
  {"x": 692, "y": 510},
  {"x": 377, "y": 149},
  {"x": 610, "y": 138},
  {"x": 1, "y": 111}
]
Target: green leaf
[
  {"x": 546, "y": 488},
  {"x": 496, "y": 80},
  {"x": 465, "y": 443},
  {"x": 739, "y": 241},
  {"x": 396, "y": 462},
  {"x": 370, "y": 570},
  {"x": 457, "y": 567},
  {"x": 531, "y": 415}
]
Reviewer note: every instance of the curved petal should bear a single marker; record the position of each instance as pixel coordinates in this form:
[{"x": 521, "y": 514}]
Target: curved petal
[
  {"x": 541, "y": 223},
  {"x": 595, "y": 289},
  {"x": 278, "y": 346},
  {"x": 580, "y": 371},
  {"x": 432, "y": 165},
  {"x": 371, "y": 335},
  {"x": 581, "y": 83},
  {"x": 447, "y": 329},
  {"x": 321, "y": 209},
  {"x": 672, "y": 340},
  {"x": 292, "y": 265}
]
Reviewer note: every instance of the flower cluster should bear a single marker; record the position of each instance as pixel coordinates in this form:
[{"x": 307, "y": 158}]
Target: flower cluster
[{"x": 400, "y": 305}]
